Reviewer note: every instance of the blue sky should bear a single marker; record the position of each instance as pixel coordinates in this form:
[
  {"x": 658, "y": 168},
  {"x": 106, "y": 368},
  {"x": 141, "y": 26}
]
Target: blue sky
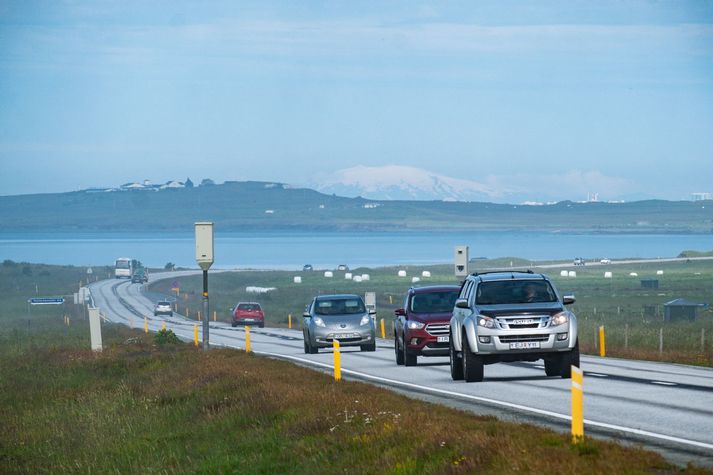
[{"x": 617, "y": 94}]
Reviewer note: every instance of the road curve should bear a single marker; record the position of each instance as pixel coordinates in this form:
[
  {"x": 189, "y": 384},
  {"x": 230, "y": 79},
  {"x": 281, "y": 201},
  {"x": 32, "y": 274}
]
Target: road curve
[{"x": 665, "y": 407}]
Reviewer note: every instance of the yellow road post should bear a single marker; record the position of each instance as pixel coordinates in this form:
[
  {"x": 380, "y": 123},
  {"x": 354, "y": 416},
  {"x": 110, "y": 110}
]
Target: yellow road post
[
  {"x": 577, "y": 405},
  {"x": 146, "y": 325},
  {"x": 163, "y": 326},
  {"x": 602, "y": 342},
  {"x": 247, "y": 339},
  {"x": 289, "y": 321},
  {"x": 337, "y": 360},
  {"x": 199, "y": 316},
  {"x": 195, "y": 335},
  {"x": 215, "y": 316}
]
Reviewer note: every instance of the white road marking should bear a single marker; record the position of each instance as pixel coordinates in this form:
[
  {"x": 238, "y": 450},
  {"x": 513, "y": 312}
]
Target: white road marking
[
  {"x": 597, "y": 375},
  {"x": 664, "y": 383}
]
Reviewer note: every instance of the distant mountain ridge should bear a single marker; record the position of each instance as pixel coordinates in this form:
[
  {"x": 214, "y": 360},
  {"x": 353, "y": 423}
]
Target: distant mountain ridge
[
  {"x": 266, "y": 206},
  {"x": 397, "y": 182}
]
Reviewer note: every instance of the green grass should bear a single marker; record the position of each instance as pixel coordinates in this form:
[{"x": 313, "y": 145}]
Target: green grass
[{"x": 617, "y": 303}]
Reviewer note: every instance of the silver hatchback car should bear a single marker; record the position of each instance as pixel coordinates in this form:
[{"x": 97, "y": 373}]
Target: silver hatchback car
[{"x": 338, "y": 317}]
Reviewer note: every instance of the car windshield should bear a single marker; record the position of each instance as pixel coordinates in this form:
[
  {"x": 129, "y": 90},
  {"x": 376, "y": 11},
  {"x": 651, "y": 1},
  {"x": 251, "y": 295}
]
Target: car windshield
[
  {"x": 248, "y": 306},
  {"x": 434, "y": 302},
  {"x": 514, "y": 291},
  {"x": 163, "y": 304},
  {"x": 346, "y": 306}
]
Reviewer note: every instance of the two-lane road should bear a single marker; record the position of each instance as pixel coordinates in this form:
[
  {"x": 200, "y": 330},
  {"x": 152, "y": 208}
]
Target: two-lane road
[{"x": 667, "y": 407}]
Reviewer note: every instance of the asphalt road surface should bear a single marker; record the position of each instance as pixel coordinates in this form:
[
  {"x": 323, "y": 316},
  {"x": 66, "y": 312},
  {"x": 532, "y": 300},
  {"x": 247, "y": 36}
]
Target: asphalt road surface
[{"x": 664, "y": 407}]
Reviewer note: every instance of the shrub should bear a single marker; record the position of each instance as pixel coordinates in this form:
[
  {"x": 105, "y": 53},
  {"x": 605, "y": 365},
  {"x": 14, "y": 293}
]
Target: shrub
[{"x": 166, "y": 337}]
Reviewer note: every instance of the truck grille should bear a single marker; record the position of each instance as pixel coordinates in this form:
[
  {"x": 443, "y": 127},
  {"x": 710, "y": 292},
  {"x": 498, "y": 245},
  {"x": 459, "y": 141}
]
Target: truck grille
[
  {"x": 516, "y": 338},
  {"x": 437, "y": 329},
  {"x": 519, "y": 322}
]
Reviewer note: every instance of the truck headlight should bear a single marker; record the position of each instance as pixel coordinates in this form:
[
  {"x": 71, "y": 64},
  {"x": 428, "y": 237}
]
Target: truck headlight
[
  {"x": 559, "y": 319},
  {"x": 318, "y": 321},
  {"x": 485, "y": 322},
  {"x": 365, "y": 320},
  {"x": 414, "y": 325}
]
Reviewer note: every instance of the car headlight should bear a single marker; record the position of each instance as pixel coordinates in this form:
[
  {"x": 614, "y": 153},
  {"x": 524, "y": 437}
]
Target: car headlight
[
  {"x": 414, "y": 325},
  {"x": 485, "y": 322},
  {"x": 365, "y": 320},
  {"x": 559, "y": 319},
  {"x": 318, "y": 321}
]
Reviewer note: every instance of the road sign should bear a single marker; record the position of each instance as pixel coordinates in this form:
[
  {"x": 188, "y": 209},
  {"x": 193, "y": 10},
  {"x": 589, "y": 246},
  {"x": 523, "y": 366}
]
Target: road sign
[{"x": 46, "y": 301}]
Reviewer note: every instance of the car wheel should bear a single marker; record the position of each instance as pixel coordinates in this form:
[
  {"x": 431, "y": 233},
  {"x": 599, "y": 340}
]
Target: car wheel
[
  {"x": 262, "y": 325},
  {"x": 472, "y": 364},
  {"x": 234, "y": 324},
  {"x": 306, "y": 347},
  {"x": 553, "y": 365},
  {"x": 569, "y": 359},
  {"x": 409, "y": 358},
  {"x": 313, "y": 350},
  {"x": 456, "y": 365},
  {"x": 397, "y": 350}
]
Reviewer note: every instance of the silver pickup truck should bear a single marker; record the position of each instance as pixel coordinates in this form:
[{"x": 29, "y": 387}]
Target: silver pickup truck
[{"x": 511, "y": 316}]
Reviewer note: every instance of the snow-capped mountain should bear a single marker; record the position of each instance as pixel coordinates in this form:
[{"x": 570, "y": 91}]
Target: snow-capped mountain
[{"x": 397, "y": 182}]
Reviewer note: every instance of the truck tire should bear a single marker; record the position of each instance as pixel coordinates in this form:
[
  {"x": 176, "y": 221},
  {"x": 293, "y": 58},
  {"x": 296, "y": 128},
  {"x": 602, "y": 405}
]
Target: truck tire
[
  {"x": 553, "y": 366},
  {"x": 456, "y": 365},
  {"x": 472, "y": 364},
  {"x": 569, "y": 359}
]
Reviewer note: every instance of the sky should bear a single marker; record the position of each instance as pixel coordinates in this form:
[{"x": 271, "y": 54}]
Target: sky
[{"x": 559, "y": 98}]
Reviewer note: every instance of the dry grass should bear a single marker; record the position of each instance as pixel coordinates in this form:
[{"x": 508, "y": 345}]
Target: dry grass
[{"x": 136, "y": 408}]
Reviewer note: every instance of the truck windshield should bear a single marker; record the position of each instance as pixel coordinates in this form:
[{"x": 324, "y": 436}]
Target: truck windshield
[
  {"x": 339, "y": 307},
  {"x": 434, "y": 302},
  {"x": 514, "y": 291}
]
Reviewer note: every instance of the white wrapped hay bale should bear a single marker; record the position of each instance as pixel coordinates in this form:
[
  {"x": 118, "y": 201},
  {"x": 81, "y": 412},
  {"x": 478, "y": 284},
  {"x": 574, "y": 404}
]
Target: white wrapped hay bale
[
  {"x": 563, "y": 273},
  {"x": 415, "y": 279},
  {"x": 348, "y": 275},
  {"x": 297, "y": 279},
  {"x": 328, "y": 273},
  {"x": 571, "y": 274},
  {"x": 357, "y": 278},
  {"x": 365, "y": 277},
  {"x": 607, "y": 275},
  {"x": 425, "y": 274},
  {"x": 402, "y": 273}
]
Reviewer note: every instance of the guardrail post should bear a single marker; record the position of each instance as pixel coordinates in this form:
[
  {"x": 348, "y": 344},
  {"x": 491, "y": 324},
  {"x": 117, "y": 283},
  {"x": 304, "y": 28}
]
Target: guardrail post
[
  {"x": 660, "y": 340},
  {"x": 146, "y": 325},
  {"x": 337, "y": 360},
  {"x": 247, "y": 339},
  {"x": 383, "y": 329},
  {"x": 289, "y": 321},
  {"x": 195, "y": 335},
  {"x": 577, "y": 405},
  {"x": 602, "y": 342}
]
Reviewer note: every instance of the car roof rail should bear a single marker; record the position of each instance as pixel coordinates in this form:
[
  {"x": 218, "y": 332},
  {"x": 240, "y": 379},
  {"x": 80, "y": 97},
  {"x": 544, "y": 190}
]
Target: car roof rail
[{"x": 503, "y": 271}]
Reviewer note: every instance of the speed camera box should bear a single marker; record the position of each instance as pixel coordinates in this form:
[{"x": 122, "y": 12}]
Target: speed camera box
[
  {"x": 204, "y": 244},
  {"x": 461, "y": 261}
]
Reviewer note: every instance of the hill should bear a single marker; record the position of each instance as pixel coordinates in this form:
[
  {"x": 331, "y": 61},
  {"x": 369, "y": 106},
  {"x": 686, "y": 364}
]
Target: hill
[{"x": 252, "y": 206}]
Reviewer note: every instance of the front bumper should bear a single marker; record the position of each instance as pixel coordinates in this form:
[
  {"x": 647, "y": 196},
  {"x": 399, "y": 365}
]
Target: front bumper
[
  {"x": 423, "y": 343},
  {"x": 497, "y": 342},
  {"x": 324, "y": 337}
]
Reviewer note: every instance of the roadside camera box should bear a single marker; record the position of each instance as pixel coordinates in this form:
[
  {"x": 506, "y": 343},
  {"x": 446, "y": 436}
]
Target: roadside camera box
[
  {"x": 461, "y": 261},
  {"x": 204, "y": 244}
]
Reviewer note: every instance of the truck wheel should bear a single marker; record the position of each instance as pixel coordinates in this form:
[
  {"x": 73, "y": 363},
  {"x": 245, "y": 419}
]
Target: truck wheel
[
  {"x": 568, "y": 360},
  {"x": 553, "y": 366},
  {"x": 472, "y": 364},
  {"x": 456, "y": 365},
  {"x": 399, "y": 353},
  {"x": 409, "y": 358}
]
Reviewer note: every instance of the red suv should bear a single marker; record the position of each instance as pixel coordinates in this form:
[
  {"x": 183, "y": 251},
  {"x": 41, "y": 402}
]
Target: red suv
[
  {"x": 421, "y": 326},
  {"x": 248, "y": 313}
]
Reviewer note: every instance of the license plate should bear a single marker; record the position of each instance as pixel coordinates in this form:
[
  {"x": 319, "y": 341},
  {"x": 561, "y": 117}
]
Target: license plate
[
  {"x": 249, "y": 319},
  {"x": 524, "y": 345},
  {"x": 344, "y": 335},
  {"x": 443, "y": 339},
  {"x": 524, "y": 321}
]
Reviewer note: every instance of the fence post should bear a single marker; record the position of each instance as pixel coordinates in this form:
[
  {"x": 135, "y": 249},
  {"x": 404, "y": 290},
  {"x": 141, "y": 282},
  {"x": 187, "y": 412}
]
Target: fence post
[
  {"x": 337, "y": 360},
  {"x": 602, "y": 342},
  {"x": 626, "y": 336},
  {"x": 703, "y": 340},
  {"x": 577, "y": 405},
  {"x": 661, "y": 340}
]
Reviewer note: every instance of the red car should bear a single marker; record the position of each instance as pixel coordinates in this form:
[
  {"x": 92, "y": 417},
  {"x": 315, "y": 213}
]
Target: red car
[
  {"x": 421, "y": 326},
  {"x": 248, "y": 313}
]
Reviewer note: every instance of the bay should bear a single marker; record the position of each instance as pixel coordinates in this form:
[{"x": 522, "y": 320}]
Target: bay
[{"x": 286, "y": 250}]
